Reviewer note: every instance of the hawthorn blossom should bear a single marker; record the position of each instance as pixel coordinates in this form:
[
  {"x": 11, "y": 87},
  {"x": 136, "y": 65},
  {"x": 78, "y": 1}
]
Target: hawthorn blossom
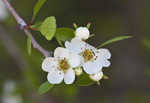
[
  {"x": 61, "y": 66},
  {"x": 82, "y": 33},
  {"x": 92, "y": 59}
]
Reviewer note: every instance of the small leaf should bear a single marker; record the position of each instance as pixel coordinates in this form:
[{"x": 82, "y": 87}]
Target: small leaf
[
  {"x": 116, "y": 39},
  {"x": 84, "y": 80},
  {"x": 48, "y": 27},
  {"x": 37, "y": 7},
  {"x": 29, "y": 45},
  {"x": 64, "y": 34},
  {"x": 45, "y": 87}
]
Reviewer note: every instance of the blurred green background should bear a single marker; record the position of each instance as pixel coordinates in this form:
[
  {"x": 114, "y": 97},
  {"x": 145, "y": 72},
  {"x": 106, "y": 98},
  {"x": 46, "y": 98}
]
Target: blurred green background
[{"x": 21, "y": 74}]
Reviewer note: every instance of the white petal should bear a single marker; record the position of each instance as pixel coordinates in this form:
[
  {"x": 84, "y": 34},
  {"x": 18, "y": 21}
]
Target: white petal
[
  {"x": 55, "y": 77},
  {"x": 82, "y": 33},
  {"x": 74, "y": 60},
  {"x": 90, "y": 47},
  {"x": 104, "y": 53},
  {"x": 49, "y": 64},
  {"x": 61, "y": 52},
  {"x": 106, "y": 63},
  {"x": 102, "y": 56},
  {"x": 96, "y": 77},
  {"x": 92, "y": 67},
  {"x": 76, "y": 45},
  {"x": 69, "y": 76}
]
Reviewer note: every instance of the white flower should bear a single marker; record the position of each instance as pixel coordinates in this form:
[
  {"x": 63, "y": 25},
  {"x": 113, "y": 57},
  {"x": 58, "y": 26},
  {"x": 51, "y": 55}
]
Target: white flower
[
  {"x": 97, "y": 77},
  {"x": 61, "y": 66},
  {"x": 93, "y": 60},
  {"x": 3, "y": 11},
  {"x": 82, "y": 33}
]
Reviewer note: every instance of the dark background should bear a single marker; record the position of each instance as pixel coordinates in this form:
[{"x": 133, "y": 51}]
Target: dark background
[{"x": 130, "y": 70}]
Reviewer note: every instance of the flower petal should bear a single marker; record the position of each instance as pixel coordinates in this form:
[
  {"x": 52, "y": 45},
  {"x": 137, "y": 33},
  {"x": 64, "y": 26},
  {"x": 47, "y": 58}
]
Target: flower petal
[
  {"x": 82, "y": 33},
  {"x": 61, "y": 52},
  {"x": 104, "y": 53},
  {"x": 69, "y": 76},
  {"x": 92, "y": 67},
  {"x": 55, "y": 77},
  {"x": 90, "y": 47},
  {"x": 96, "y": 77},
  {"x": 74, "y": 60},
  {"x": 76, "y": 45},
  {"x": 106, "y": 63},
  {"x": 49, "y": 64}
]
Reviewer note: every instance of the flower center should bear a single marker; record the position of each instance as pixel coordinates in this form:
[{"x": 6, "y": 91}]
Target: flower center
[
  {"x": 63, "y": 64},
  {"x": 87, "y": 55}
]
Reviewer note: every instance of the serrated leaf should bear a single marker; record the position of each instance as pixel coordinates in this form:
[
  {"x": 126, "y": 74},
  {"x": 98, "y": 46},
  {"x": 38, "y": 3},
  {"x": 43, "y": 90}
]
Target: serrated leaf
[
  {"x": 84, "y": 80},
  {"x": 116, "y": 39},
  {"x": 64, "y": 34},
  {"x": 29, "y": 45},
  {"x": 48, "y": 27},
  {"x": 45, "y": 87},
  {"x": 37, "y": 7}
]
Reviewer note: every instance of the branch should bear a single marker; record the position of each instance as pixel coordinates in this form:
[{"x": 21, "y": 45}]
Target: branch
[{"x": 23, "y": 24}]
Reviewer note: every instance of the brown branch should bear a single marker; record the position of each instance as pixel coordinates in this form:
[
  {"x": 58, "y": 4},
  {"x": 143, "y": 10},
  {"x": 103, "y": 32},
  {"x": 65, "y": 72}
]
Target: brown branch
[{"x": 23, "y": 24}]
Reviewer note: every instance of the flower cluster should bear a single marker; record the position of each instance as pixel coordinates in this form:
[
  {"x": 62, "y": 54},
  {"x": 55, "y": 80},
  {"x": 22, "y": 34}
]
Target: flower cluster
[{"x": 76, "y": 57}]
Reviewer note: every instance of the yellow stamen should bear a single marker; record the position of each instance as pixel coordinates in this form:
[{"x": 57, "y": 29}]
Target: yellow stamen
[
  {"x": 63, "y": 64},
  {"x": 87, "y": 55}
]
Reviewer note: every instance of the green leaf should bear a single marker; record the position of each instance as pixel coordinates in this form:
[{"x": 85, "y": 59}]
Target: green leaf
[
  {"x": 29, "y": 45},
  {"x": 84, "y": 80},
  {"x": 45, "y": 87},
  {"x": 116, "y": 39},
  {"x": 64, "y": 34},
  {"x": 48, "y": 27},
  {"x": 37, "y": 7}
]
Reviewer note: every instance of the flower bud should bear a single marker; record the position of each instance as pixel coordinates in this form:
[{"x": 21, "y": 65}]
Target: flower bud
[
  {"x": 96, "y": 77},
  {"x": 82, "y": 33},
  {"x": 78, "y": 71}
]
